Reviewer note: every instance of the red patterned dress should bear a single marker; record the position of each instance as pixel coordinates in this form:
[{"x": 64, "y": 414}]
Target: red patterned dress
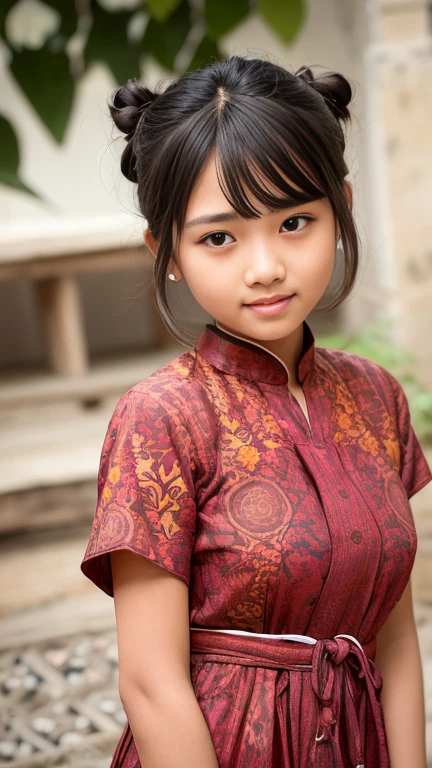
[{"x": 209, "y": 468}]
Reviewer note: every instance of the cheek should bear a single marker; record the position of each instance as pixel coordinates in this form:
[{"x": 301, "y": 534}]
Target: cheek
[
  {"x": 319, "y": 259},
  {"x": 208, "y": 282}
]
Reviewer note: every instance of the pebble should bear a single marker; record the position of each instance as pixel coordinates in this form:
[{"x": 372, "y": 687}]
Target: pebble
[
  {"x": 109, "y": 706},
  {"x": 92, "y": 676},
  {"x": 60, "y": 707},
  {"x": 82, "y": 649},
  {"x": 24, "y": 749},
  {"x": 7, "y": 749},
  {"x": 112, "y": 652},
  {"x": 82, "y": 722},
  {"x": 75, "y": 678},
  {"x": 120, "y": 716},
  {"x": 77, "y": 662},
  {"x": 70, "y": 739},
  {"x": 11, "y": 683},
  {"x": 30, "y": 682},
  {"x": 43, "y": 724},
  {"x": 56, "y": 656}
]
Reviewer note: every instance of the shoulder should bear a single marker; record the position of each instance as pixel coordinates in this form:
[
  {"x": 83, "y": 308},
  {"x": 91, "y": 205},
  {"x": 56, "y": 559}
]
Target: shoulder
[
  {"x": 361, "y": 375},
  {"x": 171, "y": 395}
]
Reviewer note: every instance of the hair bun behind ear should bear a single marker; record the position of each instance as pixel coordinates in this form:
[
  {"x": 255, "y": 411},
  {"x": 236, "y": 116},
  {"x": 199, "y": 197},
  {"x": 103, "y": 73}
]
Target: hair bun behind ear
[
  {"x": 333, "y": 87},
  {"x": 129, "y": 103}
]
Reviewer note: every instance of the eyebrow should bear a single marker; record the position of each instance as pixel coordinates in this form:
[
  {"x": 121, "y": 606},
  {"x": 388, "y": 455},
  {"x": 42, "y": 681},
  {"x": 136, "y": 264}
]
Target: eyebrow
[
  {"x": 213, "y": 218},
  {"x": 216, "y": 218}
]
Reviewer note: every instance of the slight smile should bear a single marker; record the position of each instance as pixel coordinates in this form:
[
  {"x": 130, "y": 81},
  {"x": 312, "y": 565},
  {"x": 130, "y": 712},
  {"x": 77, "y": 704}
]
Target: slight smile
[{"x": 271, "y": 306}]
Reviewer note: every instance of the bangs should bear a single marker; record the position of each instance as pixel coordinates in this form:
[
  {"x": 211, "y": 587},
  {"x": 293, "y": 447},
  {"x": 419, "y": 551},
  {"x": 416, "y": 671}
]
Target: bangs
[{"x": 258, "y": 154}]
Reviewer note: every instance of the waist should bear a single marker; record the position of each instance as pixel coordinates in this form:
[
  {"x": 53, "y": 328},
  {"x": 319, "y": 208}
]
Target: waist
[{"x": 264, "y": 650}]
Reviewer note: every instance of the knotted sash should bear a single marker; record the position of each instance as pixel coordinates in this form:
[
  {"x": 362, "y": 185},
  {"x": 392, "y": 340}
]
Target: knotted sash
[{"x": 333, "y": 664}]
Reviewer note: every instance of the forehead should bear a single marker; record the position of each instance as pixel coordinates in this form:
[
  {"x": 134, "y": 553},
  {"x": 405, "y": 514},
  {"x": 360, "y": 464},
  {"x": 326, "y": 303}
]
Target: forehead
[
  {"x": 207, "y": 181},
  {"x": 207, "y": 190}
]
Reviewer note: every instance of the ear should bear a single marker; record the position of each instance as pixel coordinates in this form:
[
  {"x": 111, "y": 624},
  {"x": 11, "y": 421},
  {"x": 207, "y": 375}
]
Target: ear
[
  {"x": 150, "y": 242},
  {"x": 349, "y": 193},
  {"x": 348, "y": 190},
  {"x": 153, "y": 246}
]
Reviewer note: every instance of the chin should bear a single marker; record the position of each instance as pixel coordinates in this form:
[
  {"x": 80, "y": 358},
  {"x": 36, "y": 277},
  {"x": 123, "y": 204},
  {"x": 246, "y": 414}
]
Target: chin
[
  {"x": 270, "y": 335},
  {"x": 275, "y": 328}
]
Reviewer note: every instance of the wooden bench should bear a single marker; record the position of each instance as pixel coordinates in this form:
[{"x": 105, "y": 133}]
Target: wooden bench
[
  {"x": 56, "y": 418},
  {"x": 52, "y": 254}
]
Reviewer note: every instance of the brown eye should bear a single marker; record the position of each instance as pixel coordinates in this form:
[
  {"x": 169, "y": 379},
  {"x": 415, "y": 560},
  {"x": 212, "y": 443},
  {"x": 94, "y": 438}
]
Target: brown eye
[
  {"x": 216, "y": 240},
  {"x": 296, "y": 223}
]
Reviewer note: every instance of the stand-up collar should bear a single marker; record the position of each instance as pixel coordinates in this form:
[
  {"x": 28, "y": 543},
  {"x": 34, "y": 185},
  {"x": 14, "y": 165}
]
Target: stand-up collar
[{"x": 234, "y": 355}]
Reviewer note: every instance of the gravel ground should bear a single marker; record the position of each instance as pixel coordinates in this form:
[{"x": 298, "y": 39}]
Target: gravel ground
[{"x": 59, "y": 702}]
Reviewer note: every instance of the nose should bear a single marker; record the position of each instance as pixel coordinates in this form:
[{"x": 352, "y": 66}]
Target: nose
[{"x": 263, "y": 266}]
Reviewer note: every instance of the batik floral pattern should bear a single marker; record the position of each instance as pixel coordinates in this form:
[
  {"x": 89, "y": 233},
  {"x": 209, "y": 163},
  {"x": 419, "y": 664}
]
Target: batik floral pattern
[{"x": 210, "y": 470}]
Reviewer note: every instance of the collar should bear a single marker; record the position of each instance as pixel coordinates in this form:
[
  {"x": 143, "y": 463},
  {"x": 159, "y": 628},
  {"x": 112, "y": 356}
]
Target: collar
[{"x": 234, "y": 355}]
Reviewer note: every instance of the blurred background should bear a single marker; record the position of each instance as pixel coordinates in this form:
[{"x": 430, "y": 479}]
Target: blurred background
[{"x": 78, "y": 321}]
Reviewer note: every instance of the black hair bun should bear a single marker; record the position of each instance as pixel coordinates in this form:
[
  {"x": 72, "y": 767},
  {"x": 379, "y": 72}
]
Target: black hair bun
[
  {"x": 129, "y": 103},
  {"x": 333, "y": 87}
]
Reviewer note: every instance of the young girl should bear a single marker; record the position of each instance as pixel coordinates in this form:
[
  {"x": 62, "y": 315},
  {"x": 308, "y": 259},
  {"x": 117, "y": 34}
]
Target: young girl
[{"x": 253, "y": 522}]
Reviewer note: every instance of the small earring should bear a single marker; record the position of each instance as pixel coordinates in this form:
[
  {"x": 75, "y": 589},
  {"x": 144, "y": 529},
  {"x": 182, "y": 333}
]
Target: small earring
[{"x": 172, "y": 277}]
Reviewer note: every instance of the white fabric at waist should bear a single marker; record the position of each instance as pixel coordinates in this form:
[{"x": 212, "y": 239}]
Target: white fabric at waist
[{"x": 294, "y": 638}]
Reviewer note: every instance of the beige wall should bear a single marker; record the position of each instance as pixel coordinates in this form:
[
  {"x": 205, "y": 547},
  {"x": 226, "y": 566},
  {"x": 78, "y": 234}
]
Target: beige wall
[
  {"x": 82, "y": 177},
  {"x": 399, "y": 180}
]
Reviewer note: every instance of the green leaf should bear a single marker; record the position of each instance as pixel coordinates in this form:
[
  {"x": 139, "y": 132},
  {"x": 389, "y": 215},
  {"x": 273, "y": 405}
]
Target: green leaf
[
  {"x": 164, "y": 41},
  {"x": 332, "y": 341},
  {"x": 161, "y": 9},
  {"x": 423, "y": 401},
  {"x": 46, "y": 80},
  {"x": 108, "y": 42},
  {"x": 376, "y": 343},
  {"x": 206, "y": 53},
  {"x": 9, "y": 158},
  {"x": 286, "y": 17},
  {"x": 223, "y": 15},
  {"x": 408, "y": 378}
]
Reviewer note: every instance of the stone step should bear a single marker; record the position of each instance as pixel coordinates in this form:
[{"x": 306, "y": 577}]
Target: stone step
[
  {"x": 40, "y": 568},
  {"x": 58, "y": 423},
  {"x": 106, "y": 375}
]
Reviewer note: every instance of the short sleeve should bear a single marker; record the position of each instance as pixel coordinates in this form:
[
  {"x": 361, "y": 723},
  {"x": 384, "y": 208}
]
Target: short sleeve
[
  {"x": 145, "y": 490},
  {"x": 413, "y": 467}
]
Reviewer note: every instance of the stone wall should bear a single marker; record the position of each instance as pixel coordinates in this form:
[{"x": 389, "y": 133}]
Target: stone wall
[{"x": 399, "y": 98}]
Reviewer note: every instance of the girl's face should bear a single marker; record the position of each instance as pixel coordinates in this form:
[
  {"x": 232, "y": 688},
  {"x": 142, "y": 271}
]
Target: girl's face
[{"x": 230, "y": 262}]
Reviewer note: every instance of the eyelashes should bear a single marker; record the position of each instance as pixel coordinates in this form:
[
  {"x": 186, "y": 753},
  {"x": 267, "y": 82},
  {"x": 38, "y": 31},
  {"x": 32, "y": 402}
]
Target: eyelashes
[
  {"x": 295, "y": 224},
  {"x": 294, "y": 220}
]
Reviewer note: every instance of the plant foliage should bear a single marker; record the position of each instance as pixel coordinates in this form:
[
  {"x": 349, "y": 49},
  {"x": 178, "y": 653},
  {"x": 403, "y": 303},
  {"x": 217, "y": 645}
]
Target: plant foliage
[
  {"x": 179, "y": 34},
  {"x": 9, "y": 168},
  {"x": 376, "y": 343}
]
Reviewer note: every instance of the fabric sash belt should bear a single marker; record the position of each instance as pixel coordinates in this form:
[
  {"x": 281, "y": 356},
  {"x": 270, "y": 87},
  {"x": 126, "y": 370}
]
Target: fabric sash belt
[{"x": 332, "y": 663}]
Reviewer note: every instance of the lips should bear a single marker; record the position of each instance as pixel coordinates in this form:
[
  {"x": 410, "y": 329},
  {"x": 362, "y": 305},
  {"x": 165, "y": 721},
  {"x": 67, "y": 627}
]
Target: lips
[{"x": 269, "y": 299}]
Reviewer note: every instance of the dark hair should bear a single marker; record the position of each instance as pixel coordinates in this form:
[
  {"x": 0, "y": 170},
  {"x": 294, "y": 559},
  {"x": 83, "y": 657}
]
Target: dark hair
[{"x": 259, "y": 118}]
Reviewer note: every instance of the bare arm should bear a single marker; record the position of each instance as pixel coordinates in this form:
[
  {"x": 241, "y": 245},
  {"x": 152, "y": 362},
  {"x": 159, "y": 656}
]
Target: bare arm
[
  {"x": 398, "y": 659},
  {"x": 152, "y": 616}
]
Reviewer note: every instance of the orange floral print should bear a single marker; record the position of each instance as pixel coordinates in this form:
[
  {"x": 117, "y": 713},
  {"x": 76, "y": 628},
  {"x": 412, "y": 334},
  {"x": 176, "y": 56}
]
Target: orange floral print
[{"x": 210, "y": 469}]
